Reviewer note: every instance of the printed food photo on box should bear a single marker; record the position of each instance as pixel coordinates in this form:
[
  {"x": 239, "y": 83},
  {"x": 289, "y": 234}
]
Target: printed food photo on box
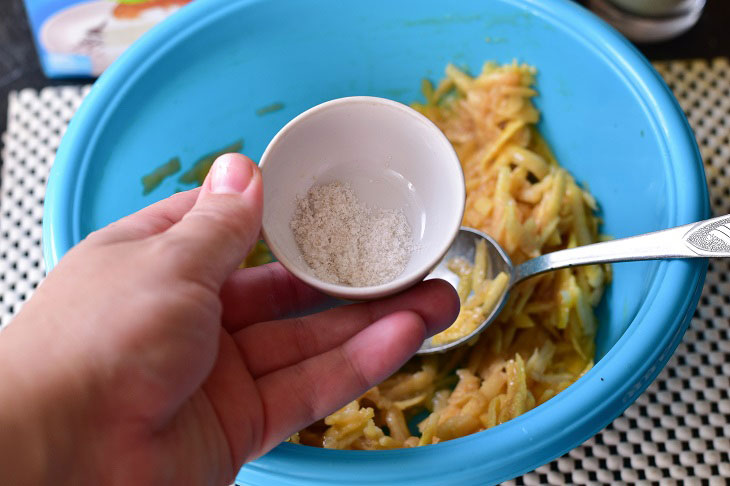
[{"x": 82, "y": 38}]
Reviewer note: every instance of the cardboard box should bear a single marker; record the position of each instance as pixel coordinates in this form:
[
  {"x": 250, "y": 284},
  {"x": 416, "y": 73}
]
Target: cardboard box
[{"x": 83, "y": 37}]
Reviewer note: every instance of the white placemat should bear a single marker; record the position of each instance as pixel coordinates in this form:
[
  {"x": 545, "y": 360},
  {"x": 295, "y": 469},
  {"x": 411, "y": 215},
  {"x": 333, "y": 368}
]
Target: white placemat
[{"x": 677, "y": 431}]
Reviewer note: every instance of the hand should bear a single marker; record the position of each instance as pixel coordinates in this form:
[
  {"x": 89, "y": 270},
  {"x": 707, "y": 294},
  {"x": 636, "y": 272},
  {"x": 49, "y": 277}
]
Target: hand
[{"x": 146, "y": 357}]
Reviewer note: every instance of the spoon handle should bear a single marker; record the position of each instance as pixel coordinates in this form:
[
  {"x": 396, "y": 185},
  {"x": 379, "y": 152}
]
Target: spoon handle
[{"x": 709, "y": 238}]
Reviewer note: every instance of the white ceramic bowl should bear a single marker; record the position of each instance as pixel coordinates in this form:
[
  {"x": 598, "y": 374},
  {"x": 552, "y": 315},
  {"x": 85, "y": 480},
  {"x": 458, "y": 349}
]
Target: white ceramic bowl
[{"x": 392, "y": 156}]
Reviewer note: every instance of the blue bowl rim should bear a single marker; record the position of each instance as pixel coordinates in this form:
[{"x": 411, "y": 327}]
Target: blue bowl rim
[{"x": 533, "y": 438}]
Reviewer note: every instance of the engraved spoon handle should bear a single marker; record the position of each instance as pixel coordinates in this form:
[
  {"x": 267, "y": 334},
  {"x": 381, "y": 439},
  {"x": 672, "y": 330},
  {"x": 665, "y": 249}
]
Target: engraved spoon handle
[{"x": 709, "y": 238}]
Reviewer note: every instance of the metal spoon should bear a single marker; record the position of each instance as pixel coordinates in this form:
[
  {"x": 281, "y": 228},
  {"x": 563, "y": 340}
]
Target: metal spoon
[{"x": 709, "y": 238}]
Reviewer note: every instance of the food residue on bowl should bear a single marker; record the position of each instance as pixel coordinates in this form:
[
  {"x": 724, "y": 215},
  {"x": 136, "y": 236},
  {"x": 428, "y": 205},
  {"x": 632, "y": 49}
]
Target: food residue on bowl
[
  {"x": 194, "y": 175},
  {"x": 271, "y": 108},
  {"x": 152, "y": 180},
  {"x": 346, "y": 242}
]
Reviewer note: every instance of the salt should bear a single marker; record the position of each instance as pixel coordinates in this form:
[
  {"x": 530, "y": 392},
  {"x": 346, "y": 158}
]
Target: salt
[{"x": 348, "y": 243}]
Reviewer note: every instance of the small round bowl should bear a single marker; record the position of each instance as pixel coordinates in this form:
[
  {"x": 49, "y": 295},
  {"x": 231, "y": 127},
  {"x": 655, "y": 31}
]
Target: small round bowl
[{"x": 393, "y": 158}]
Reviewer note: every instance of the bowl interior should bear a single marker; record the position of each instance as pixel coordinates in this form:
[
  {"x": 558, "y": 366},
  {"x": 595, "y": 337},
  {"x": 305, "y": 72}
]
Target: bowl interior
[
  {"x": 194, "y": 85},
  {"x": 391, "y": 156}
]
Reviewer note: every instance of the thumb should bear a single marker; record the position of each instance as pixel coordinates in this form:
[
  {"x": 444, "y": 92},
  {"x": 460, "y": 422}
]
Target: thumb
[{"x": 221, "y": 228}]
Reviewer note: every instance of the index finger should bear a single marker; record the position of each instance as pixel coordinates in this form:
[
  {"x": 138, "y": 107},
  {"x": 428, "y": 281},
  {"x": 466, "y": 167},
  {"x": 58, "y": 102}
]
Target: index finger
[{"x": 266, "y": 293}]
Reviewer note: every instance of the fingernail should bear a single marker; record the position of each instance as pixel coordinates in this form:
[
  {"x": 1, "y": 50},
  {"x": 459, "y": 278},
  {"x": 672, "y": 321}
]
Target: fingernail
[{"x": 230, "y": 174}]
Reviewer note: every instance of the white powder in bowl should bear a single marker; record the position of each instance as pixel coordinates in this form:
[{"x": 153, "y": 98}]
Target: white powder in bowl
[{"x": 348, "y": 243}]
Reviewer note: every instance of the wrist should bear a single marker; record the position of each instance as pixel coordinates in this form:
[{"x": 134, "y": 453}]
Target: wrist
[
  {"x": 24, "y": 445},
  {"x": 36, "y": 418}
]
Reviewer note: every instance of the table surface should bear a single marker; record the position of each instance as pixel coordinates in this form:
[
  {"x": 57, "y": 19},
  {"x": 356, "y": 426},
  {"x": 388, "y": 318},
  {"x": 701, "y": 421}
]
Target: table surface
[{"x": 19, "y": 67}]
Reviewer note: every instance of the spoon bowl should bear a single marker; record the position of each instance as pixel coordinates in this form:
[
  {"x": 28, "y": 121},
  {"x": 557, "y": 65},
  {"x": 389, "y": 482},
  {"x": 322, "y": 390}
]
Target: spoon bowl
[{"x": 464, "y": 246}]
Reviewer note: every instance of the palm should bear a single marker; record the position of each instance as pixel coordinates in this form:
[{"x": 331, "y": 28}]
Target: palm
[{"x": 273, "y": 377}]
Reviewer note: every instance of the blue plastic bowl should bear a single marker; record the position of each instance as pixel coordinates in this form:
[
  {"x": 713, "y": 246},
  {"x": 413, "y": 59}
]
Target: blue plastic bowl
[{"x": 194, "y": 84}]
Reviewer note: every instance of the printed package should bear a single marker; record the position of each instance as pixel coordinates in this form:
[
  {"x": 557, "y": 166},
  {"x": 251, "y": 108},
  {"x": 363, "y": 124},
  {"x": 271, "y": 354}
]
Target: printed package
[{"x": 82, "y": 37}]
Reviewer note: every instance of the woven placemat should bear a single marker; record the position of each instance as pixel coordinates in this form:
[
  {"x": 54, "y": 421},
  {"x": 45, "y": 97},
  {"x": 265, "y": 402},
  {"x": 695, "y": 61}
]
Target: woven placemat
[{"x": 677, "y": 431}]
